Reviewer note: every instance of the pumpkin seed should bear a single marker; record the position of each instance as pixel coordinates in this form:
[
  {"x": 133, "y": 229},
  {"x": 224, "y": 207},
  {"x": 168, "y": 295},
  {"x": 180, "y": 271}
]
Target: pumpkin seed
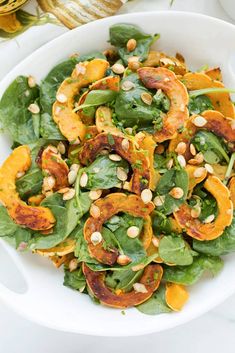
[{"x": 146, "y": 195}]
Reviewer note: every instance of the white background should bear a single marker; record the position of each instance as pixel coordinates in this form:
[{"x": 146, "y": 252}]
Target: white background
[{"x": 214, "y": 332}]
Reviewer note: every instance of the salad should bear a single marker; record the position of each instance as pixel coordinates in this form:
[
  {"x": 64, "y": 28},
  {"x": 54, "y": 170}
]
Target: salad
[{"x": 122, "y": 172}]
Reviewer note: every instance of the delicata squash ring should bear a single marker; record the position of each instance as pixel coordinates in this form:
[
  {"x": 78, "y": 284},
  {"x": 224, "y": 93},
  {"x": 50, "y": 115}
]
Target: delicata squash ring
[
  {"x": 232, "y": 190},
  {"x": 214, "y": 122},
  {"x": 36, "y": 218},
  {"x": 150, "y": 279},
  {"x": 67, "y": 120},
  {"x": 53, "y": 164},
  {"x": 141, "y": 178},
  {"x": 109, "y": 206},
  {"x": 64, "y": 248},
  {"x": 104, "y": 123},
  {"x": 161, "y": 78},
  {"x": 208, "y": 231}
]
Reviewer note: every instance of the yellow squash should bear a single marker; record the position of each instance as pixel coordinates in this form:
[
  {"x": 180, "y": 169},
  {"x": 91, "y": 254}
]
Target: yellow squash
[{"x": 36, "y": 218}]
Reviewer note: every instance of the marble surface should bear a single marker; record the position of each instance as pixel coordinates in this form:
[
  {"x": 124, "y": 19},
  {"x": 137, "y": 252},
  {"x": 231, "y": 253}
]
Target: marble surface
[{"x": 213, "y": 332}]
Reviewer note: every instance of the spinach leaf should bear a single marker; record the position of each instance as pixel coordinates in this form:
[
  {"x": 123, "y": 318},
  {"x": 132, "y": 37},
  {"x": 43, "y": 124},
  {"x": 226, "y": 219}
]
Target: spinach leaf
[
  {"x": 188, "y": 275},
  {"x": 172, "y": 178},
  {"x": 49, "y": 129},
  {"x": 75, "y": 210},
  {"x": 7, "y": 226},
  {"x": 160, "y": 162},
  {"x": 81, "y": 250},
  {"x": 102, "y": 173},
  {"x": 100, "y": 267},
  {"x": 130, "y": 109},
  {"x": 207, "y": 202},
  {"x": 123, "y": 279},
  {"x": 31, "y": 183},
  {"x": 156, "y": 304},
  {"x": 22, "y": 235},
  {"x": 208, "y": 207},
  {"x": 220, "y": 246},
  {"x": 199, "y": 104},
  {"x": 75, "y": 279},
  {"x": 212, "y": 147},
  {"x": 15, "y": 117},
  {"x": 118, "y": 239},
  {"x": 175, "y": 250},
  {"x": 131, "y": 247},
  {"x": 62, "y": 228},
  {"x": 121, "y": 33},
  {"x": 95, "y": 98},
  {"x": 9, "y": 229},
  {"x": 161, "y": 223}
]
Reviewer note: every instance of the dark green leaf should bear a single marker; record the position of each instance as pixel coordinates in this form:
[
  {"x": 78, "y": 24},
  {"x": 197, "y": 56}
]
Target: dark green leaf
[
  {"x": 172, "y": 178},
  {"x": 48, "y": 128},
  {"x": 106, "y": 177},
  {"x": 121, "y": 33},
  {"x": 31, "y": 183},
  {"x": 22, "y": 236},
  {"x": 95, "y": 98},
  {"x": 123, "y": 279},
  {"x": 131, "y": 247},
  {"x": 161, "y": 223},
  {"x": 7, "y": 226},
  {"x": 175, "y": 250},
  {"x": 212, "y": 147},
  {"x": 188, "y": 275},
  {"x": 63, "y": 226},
  {"x": 199, "y": 104},
  {"x": 156, "y": 304},
  {"x": 75, "y": 279},
  {"x": 130, "y": 110},
  {"x": 15, "y": 117}
]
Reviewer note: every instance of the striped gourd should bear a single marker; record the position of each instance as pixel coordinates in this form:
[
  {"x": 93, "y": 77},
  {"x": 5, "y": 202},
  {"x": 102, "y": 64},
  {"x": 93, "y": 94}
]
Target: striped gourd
[
  {"x": 9, "y": 6},
  {"x": 73, "y": 13}
]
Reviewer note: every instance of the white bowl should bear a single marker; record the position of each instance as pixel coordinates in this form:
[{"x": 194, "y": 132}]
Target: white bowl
[
  {"x": 229, "y": 7},
  {"x": 42, "y": 297}
]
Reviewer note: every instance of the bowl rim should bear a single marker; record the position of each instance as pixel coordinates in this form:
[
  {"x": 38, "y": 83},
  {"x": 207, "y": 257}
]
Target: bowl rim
[{"x": 215, "y": 300}]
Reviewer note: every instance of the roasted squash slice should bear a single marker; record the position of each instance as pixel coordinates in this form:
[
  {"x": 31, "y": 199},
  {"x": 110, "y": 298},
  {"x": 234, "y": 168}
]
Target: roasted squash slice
[
  {"x": 150, "y": 280},
  {"x": 35, "y": 200},
  {"x": 67, "y": 120},
  {"x": 147, "y": 233},
  {"x": 156, "y": 58},
  {"x": 141, "y": 173},
  {"x": 220, "y": 100},
  {"x": 232, "y": 190},
  {"x": 176, "y": 296},
  {"x": 161, "y": 78},
  {"x": 103, "y": 120},
  {"x": 214, "y": 73},
  {"x": 193, "y": 181},
  {"x": 109, "y": 206},
  {"x": 208, "y": 231},
  {"x": 148, "y": 144},
  {"x": 36, "y": 218},
  {"x": 53, "y": 164},
  {"x": 61, "y": 260},
  {"x": 215, "y": 122},
  {"x": 64, "y": 248}
]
